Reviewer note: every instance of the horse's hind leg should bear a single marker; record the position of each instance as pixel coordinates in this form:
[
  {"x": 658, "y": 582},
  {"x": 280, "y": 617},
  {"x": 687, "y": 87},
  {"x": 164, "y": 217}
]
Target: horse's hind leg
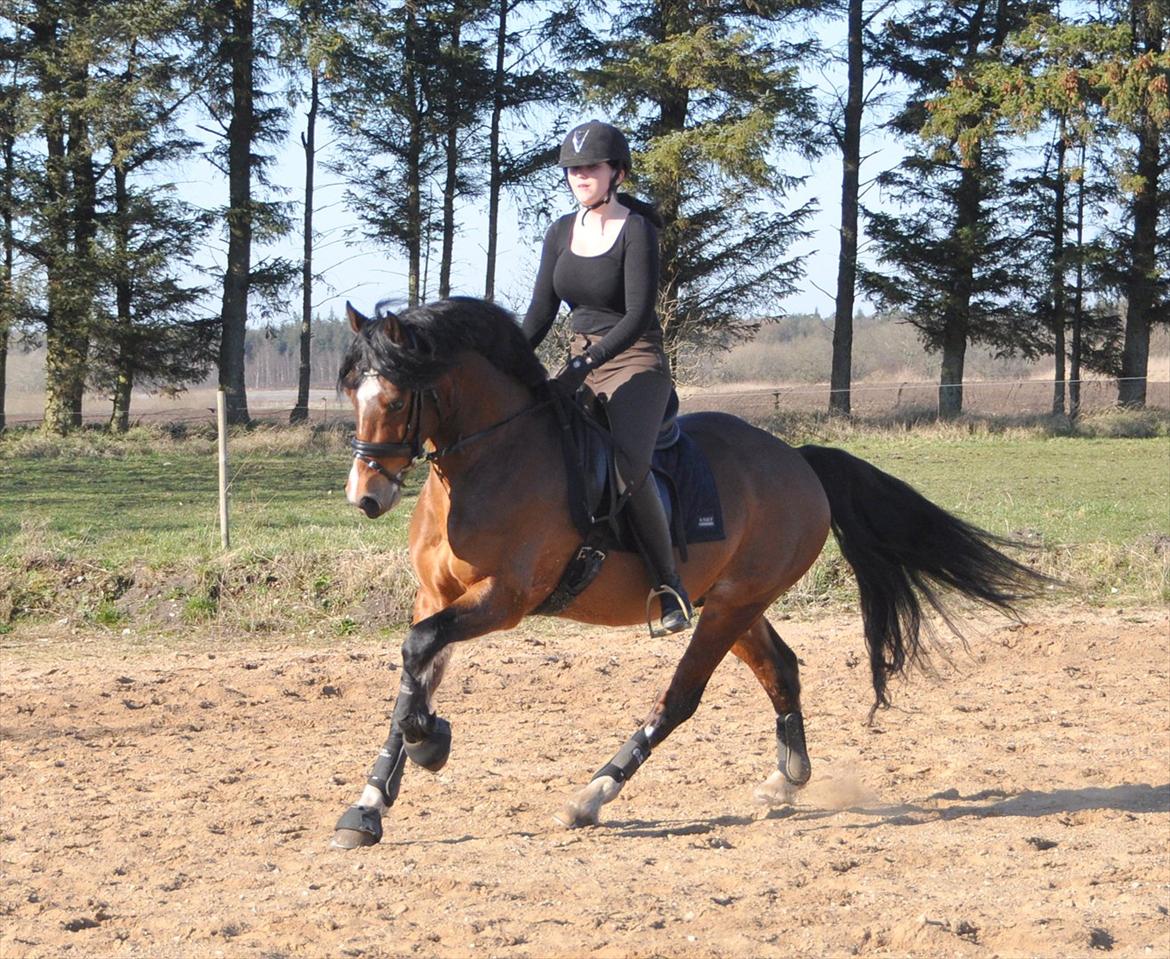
[
  {"x": 718, "y": 627},
  {"x": 776, "y": 667}
]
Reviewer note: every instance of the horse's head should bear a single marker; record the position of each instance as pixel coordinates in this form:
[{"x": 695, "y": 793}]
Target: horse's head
[
  {"x": 441, "y": 372},
  {"x": 387, "y": 416}
]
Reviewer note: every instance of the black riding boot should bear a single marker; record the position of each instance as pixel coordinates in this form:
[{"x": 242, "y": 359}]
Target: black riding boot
[{"x": 648, "y": 520}]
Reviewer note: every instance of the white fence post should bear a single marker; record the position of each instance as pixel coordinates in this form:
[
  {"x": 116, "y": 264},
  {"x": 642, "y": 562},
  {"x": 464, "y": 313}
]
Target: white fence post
[{"x": 221, "y": 425}]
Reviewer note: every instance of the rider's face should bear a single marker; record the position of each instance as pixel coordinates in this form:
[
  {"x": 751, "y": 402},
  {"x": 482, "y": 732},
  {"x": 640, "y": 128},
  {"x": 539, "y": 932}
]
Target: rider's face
[{"x": 591, "y": 183}]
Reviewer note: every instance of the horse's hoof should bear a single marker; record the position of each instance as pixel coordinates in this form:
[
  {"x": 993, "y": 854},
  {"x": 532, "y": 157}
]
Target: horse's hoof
[
  {"x": 584, "y": 809},
  {"x": 351, "y": 839},
  {"x": 792, "y": 753},
  {"x": 776, "y": 790},
  {"x": 431, "y": 753},
  {"x": 573, "y": 816},
  {"x": 358, "y": 826}
]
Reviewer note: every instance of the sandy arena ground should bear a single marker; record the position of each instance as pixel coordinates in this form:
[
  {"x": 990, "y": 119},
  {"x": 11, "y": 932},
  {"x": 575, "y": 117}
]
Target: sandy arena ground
[{"x": 179, "y": 802}]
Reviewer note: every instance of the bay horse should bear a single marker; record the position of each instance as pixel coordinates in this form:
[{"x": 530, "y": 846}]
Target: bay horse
[{"x": 455, "y": 383}]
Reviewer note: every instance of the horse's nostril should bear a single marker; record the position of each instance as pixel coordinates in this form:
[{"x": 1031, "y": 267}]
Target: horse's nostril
[{"x": 369, "y": 506}]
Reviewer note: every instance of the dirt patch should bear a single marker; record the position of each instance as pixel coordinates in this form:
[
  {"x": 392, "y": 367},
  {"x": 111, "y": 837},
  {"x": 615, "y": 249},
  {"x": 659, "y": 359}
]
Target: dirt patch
[{"x": 179, "y": 801}]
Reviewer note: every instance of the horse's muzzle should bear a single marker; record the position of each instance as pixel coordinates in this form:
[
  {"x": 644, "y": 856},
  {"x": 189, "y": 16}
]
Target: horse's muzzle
[{"x": 374, "y": 494}]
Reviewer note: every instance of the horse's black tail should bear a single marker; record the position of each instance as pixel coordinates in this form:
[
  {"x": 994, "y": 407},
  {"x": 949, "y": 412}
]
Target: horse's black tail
[{"x": 906, "y": 552}]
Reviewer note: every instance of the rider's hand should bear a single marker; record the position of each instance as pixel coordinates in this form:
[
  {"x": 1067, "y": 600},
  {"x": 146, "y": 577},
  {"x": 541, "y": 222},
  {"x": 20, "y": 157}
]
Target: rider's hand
[{"x": 572, "y": 375}]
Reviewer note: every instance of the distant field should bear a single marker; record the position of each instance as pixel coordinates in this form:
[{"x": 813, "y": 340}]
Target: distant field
[
  {"x": 116, "y": 530},
  {"x": 883, "y": 397},
  {"x": 784, "y": 367}
]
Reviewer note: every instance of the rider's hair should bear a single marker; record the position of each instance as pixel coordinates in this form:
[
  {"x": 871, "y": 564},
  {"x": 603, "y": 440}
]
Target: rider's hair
[{"x": 641, "y": 207}]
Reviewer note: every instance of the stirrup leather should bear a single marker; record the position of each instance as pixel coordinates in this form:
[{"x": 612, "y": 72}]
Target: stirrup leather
[{"x": 683, "y": 606}]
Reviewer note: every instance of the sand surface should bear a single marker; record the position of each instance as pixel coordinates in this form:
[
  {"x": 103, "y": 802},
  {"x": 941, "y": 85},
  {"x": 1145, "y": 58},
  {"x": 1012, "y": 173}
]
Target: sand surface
[{"x": 178, "y": 801}]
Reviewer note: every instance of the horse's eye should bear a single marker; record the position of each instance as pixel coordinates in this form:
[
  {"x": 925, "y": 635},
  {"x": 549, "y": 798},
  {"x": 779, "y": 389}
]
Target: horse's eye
[{"x": 395, "y": 405}]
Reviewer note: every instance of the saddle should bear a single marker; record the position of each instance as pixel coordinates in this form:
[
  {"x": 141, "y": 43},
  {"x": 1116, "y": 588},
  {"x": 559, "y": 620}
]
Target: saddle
[{"x": 678, "y": 468}]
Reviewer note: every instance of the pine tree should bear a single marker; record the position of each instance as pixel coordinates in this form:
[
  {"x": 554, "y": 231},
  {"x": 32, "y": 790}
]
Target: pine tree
[
  {"x": 236, "y": 37},
  {"x": 11, "y": 57},
  {"x": 1142, "y": 100},
  {"x": 307, "y": 38},
  {"x": 64, "y": 101},
  {"x": 412, "y": 90},
  {"x": 711, "y": 95},
  {"x": 845, "y": 123},
  {"x": 949, "y": 259},
  {"x": 517, "y": 87},
  {"x": 144, "y": 331},
  {"x": 1096, "y": 79}
]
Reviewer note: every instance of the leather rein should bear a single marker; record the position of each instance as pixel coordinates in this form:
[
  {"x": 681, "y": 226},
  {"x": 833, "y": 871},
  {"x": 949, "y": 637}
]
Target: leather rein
[{"x": 410, "y": 446}]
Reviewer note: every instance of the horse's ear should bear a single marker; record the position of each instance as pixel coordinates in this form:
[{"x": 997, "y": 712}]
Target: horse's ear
[{"x": 356, "y": 319}]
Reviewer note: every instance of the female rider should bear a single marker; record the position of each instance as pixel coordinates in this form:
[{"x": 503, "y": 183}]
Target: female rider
[{"x": 602, "y": 261}]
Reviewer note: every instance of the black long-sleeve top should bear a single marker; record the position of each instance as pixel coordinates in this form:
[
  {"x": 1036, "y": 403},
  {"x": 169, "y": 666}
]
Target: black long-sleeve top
[{"x": 611, "y": 295}]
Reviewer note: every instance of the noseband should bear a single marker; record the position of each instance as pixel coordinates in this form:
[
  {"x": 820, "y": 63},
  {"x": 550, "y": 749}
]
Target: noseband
[{"x": 410, "y": 447}]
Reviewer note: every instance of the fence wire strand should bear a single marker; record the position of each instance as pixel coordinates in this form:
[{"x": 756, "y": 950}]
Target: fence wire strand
[{"x": 979, "y": 397}]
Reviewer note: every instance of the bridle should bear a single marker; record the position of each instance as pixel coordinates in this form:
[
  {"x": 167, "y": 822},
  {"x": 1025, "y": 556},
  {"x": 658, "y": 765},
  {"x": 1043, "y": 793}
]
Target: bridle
[{"x": 410, "y": 446}]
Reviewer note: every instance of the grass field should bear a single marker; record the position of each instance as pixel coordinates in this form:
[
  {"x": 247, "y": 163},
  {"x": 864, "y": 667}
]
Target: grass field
[{"x": 124, "y": 532}]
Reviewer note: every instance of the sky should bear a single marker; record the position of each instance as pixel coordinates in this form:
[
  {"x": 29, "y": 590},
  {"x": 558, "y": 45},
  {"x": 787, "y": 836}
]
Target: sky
[{"x": 352, "y": 269}]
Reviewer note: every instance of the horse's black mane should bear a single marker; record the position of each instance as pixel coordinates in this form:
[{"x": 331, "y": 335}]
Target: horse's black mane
[{"x": 433, "y": 336}]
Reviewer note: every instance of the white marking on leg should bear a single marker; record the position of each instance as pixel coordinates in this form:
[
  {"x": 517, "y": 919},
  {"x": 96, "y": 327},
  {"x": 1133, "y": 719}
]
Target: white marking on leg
[
  {"x": 372, "y": 797},
  {"x": 584, "y": 808},
  {"x": 776, "y": 790}
]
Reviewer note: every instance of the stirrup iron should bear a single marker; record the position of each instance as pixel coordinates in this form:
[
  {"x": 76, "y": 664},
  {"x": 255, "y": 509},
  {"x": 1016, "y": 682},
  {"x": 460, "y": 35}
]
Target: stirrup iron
[{"x": 681, "y": 623}]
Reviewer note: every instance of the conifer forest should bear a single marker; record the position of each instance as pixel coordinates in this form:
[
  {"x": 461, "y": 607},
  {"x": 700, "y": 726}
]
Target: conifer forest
[{"x": 1027, "y": 208}]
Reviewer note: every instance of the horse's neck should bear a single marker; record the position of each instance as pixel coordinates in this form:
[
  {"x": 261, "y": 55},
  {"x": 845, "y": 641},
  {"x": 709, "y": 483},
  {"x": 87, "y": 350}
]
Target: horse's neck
[{"x": 478, "y": 398}]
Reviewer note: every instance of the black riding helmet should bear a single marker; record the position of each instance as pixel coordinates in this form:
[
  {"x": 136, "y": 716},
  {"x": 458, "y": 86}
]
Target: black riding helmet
[{"x": 595, "y": 142}]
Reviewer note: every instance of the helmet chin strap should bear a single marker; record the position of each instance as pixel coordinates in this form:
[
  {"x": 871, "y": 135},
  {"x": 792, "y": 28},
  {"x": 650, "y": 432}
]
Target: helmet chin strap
[{"x": 589, "y": 207}]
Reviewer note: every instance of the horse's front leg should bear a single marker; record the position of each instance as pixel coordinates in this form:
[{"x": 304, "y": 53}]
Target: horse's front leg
[{"x": 416, "y": 732}]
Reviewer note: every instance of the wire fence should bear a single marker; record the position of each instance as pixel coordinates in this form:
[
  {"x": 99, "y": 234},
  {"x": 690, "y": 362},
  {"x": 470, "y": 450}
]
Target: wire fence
[
  {"x": 981, "y": 398},
  {"x": 867, "y": 400}
]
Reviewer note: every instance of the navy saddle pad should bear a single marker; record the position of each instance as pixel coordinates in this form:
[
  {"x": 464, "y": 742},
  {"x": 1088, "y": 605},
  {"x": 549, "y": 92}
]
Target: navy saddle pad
[{"x": 680, "y": 469}]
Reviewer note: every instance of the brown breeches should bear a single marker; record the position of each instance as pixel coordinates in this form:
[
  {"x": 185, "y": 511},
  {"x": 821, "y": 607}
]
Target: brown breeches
[{"x": 636, "y": 387}]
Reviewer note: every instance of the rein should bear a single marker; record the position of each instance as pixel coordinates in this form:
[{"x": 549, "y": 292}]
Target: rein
[{"x": 411, "y": 444}]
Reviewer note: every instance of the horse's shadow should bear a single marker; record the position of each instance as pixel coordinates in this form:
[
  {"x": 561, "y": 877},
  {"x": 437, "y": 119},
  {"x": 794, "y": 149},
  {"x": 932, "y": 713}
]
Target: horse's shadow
[{"x": 1126, "y": 797}]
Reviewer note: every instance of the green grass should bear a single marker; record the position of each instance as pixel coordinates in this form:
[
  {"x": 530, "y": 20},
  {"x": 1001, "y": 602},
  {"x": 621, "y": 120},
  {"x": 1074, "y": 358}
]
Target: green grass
[
  {"x": 125, "y": 532},
  {"x": 157, "y": 508},
  {"x": 1068, "y": 491}
]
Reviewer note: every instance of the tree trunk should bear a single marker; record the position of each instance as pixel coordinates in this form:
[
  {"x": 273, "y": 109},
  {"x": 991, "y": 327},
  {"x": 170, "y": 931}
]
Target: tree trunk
[
  {"x": 1074, "y": 371},
  {"x": 8, "y": 292},
  {"x": 300, "y": 412},
  {"x": 1057, "y": 280},
  {"x": 59, "y": 337},
  {"x": 65, "y": 328},
  {"x": 451, "y": 181},
  {"x": 413, "y": 160},
  {"x": 1149, "y": 36},
  {"x": 956, "y": 318},
  {"x": 1140, "y": 283},
  {"x": 842, "y": 369},
  {"x": 124, "y": 378},
  {"x": 4, "y": 362},
  {"x": 954, "y": 355},
  {"x": 82, "y": 283},
  {"x": 241, "y": 131},
  {"x": 495, "y": 176}
]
